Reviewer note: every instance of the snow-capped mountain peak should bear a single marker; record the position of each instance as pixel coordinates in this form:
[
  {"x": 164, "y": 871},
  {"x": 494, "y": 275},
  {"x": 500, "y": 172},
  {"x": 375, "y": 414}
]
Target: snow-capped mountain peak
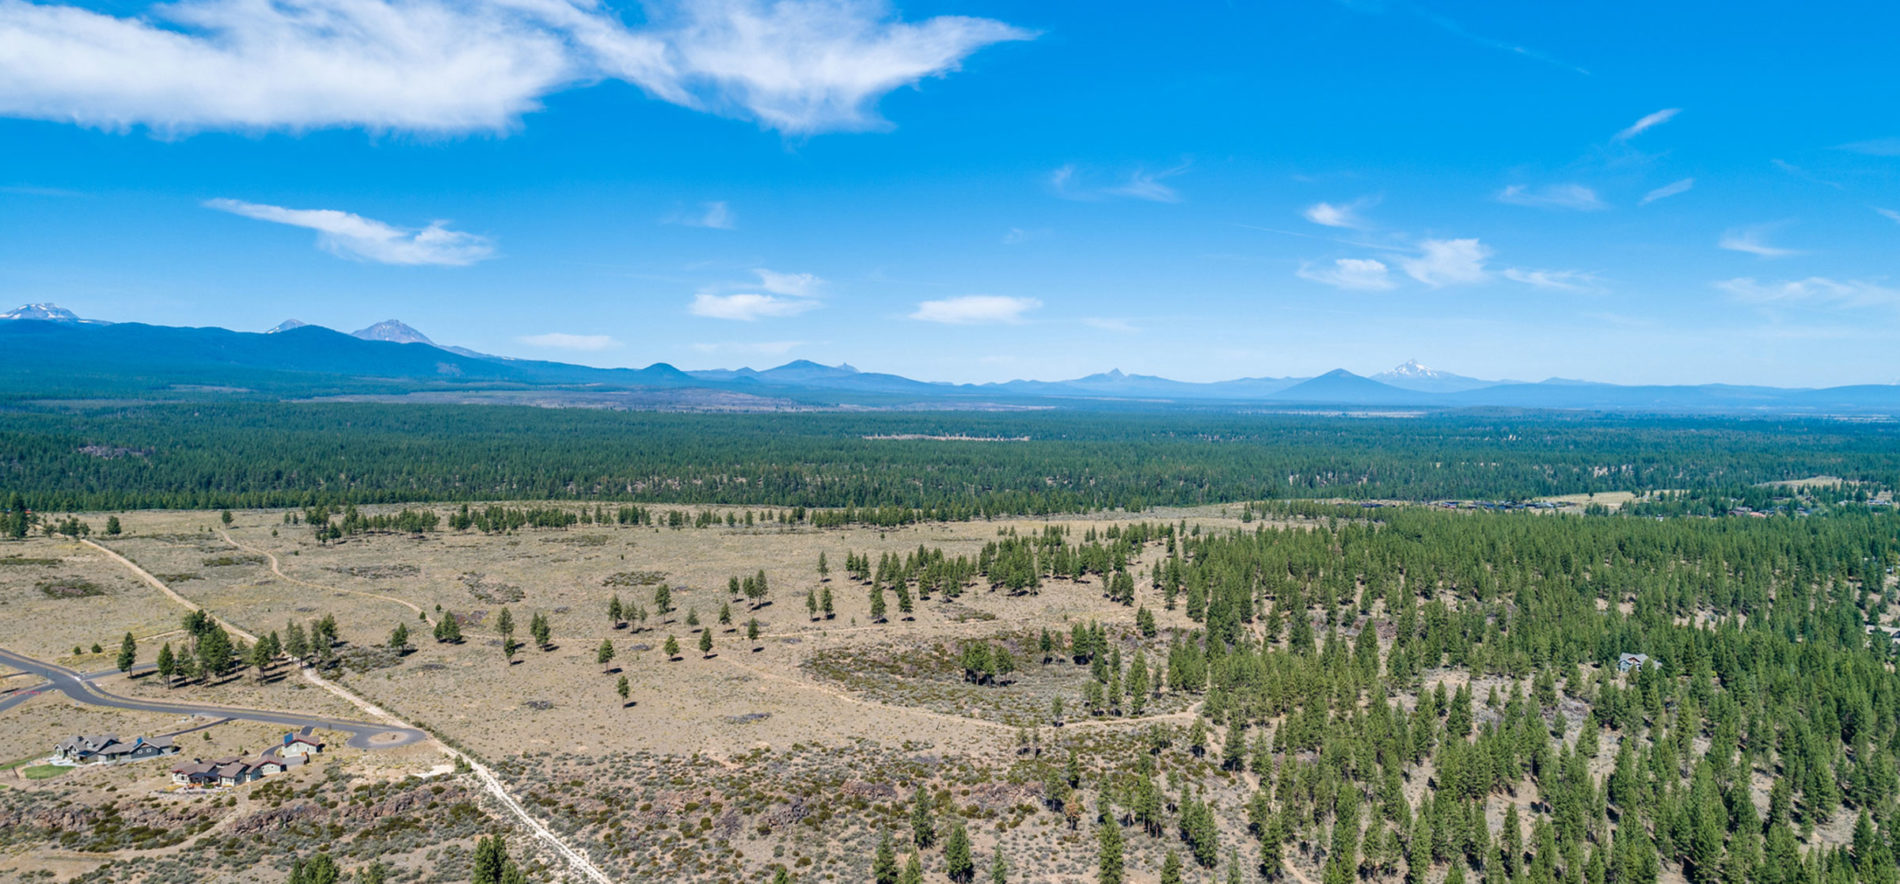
[
  {"x": 286, "y": 325},
  {"x": 393, "y": 331},
  {"x": 1415, "y": 375},
  {"x": 41, "y": 313}
]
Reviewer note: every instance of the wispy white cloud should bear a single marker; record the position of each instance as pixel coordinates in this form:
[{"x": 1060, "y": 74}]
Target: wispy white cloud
[
  {"x": 1874, "y": 147},
  {"x": 1067, "y": 182},
  {"x": 799, "y": 284},
  {"x": 1817, "y": 289},
  {"x": 748, "y": 307},
  {"x": 1575, "y": 197},
  {"x": 1753, "y": 240},
  {"x": 1108, "y": 324},
  {"x": 1673, "y": 188},
  {"x": 715, "y": 215},
  {"x": 1353, "y": 274},
  {"x": 796, "y": 66},
  {"x": 1889, "y": 214},
  {"x": 1560, "y": 280},
  {"x": 564, "y": 341},
  {"x": 975, "y": 309},
  {"x": 1344, "y": 215},
  {"x": 355, "y": 236},
  {"x": 1805, "y": 175},
  {"x": 1649, "y": 121},
  {"x": 1443, "y": 262}
]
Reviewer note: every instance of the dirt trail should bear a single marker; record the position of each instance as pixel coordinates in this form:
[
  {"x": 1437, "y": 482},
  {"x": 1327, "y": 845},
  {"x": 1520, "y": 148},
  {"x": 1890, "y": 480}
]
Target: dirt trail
[
  {"x": 489, "y": 781},
  {"x": 161, "y": 587},
  {"x": 277, "y": 568}
]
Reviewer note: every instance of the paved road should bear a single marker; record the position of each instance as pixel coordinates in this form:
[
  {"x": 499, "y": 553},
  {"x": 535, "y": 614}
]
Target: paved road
[{"x": 363, "y": 735}]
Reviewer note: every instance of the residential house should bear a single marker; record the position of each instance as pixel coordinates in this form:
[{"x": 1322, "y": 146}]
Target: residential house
[
  {"x": 108, "y": 748},
  {"x": 1627, "y": 662}
]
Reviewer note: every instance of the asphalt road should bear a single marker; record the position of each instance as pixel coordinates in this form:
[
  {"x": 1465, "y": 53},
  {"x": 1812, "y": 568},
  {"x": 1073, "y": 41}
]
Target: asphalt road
[{"x": 79, "y": 688}]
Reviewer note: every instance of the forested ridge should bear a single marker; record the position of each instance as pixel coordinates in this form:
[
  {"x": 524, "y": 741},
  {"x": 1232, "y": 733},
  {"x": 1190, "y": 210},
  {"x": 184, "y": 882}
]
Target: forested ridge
[{"x": 303, "y": 454}]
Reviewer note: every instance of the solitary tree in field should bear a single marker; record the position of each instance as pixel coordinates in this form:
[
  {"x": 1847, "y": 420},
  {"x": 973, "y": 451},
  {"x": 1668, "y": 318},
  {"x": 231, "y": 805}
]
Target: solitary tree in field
[
  {"x": 399, "y": 638},
  {"x": 616, "y": 613},
  {"x": 705, "y": 642},
  {"x": 112, "y": 526},
  {"x": 128, "y": 653},
  {"x": 167, "y": 664},
  {"x": 725, "y": 614},
  {"x": 447, "y": 630},
  {"x": 225, "y": 517},
  {"x": 662, "y": 601},
  {"x": 508, "y": 651},
  {"x": 623, "y": 689},
  {"x": 752, "y": 631},
  {"x": 824, "y": 570},
  {"x": 824, "y": 603},
  {"x": 672, "y": 648},
  {"x": 605, "y": 655}
]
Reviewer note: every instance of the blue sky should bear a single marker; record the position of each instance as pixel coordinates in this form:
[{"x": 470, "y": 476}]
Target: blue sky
[{"x": 979, "y": 191}]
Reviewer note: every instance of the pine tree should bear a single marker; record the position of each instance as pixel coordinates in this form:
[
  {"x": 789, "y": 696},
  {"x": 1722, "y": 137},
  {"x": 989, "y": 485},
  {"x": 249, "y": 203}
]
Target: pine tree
[
  {"x": 491, "y": 855},
  {"x": 128, "y": 653},
  {"x": 604, "y": 655},
  {"x": 167, "y": 664},
  {"x": 999, "y": 867},
  {"x": 824, "y": 603},
  {"x": 811, "y": 604},
  {"x": 957, "y": 860},
  {"x": 616, "y": 612},
  {"x": 1171, "y": 868},
  {"x": 752, "y": 631},
  {"x": 505, "y": 627},
  {"x": 399, "y": 638},
  {"x": 672, "y": 648},
  {"x": 623, "y": 689},
  {"x": 884, "y": 863},
  {"x": 539, "y": 628},
  {"x": 1109, "y": 865},
  {"x": 923, "y": 827},
  {"x": 913, "y": 870},
  {"x": 112, "y": 526},
  {"x": 705, "y": 642},
  {"x": 877, "y": 604}
]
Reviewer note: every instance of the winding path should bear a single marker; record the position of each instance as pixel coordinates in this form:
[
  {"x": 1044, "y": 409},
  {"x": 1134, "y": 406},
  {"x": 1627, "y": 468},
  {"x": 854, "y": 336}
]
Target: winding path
[
  {"x": 77, "y": 687},
  {"x": 90, "y": 693},
  {"x": 277, "y": 568}
]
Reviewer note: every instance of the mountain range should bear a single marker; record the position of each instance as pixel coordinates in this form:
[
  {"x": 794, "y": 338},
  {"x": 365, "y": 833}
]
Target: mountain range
[{"x": 53, "y": 354}]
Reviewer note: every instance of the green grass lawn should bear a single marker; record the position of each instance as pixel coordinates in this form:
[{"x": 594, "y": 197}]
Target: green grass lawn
[
  {"x": 44, "y": 771},
  {"x": 17, "y": 762}
]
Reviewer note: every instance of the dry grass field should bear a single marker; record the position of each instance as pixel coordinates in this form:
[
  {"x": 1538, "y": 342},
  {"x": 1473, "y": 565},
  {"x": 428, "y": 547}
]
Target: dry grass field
[{"x": 798, "y": 749}]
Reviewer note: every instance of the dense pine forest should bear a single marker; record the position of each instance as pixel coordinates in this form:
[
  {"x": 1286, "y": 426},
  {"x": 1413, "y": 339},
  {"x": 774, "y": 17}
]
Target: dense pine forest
[{"x": 251, "y": 455}]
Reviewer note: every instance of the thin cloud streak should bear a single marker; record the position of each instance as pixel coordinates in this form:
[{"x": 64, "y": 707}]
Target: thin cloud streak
[{"x": 354, "y": 236}]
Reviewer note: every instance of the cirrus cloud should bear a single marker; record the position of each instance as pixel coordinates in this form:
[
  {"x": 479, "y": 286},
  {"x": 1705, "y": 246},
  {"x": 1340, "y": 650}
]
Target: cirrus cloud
[
  {"x": 354, "y": 236},
  {"x": 975, "y": 310},
  {"x": 1555, "y": 196}
]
